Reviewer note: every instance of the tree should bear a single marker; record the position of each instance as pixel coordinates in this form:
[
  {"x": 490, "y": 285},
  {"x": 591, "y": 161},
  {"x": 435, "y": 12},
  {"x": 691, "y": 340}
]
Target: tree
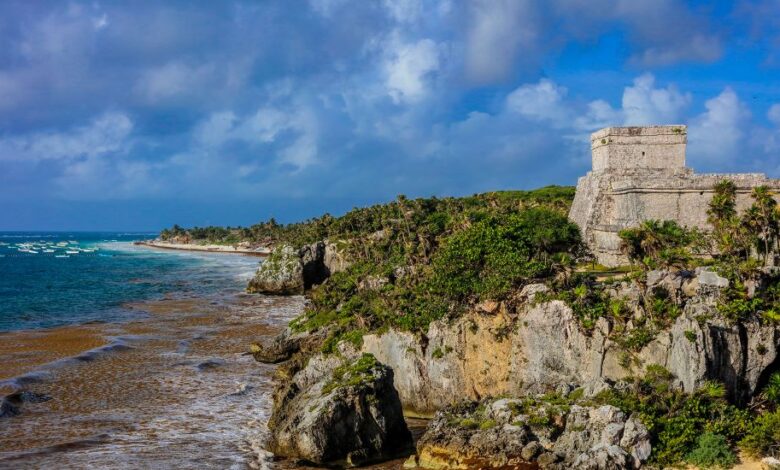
[
  {"x": 763, "y": 221},
  {"x": 658, "y": 243}
]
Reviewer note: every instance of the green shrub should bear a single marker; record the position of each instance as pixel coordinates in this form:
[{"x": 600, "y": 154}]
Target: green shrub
[
  {"x": 763, "y": 436},
  {"x": 656, "y": 244},
  {"x": 497, "y": 254},
  {"x": 771, "y": 392},
  {"x": 711, "y": 451}
]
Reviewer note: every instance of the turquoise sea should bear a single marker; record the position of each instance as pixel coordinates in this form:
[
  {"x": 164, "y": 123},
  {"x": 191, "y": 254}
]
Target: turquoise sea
[{"x": 58, "y": 278}]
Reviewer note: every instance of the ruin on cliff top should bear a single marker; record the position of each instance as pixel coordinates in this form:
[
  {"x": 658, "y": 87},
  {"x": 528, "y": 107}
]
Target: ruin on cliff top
[{"x": 638, "y": 174}]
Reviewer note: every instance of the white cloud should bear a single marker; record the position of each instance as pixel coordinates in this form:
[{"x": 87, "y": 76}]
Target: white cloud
[
  {"x": 699, "y": 48},
  {"x": 404, "y": 11},
  {"x": 105, "y": 135},
  {"x": 599, "y": 114},
  {"x": 100, "y": 22},
  {"x": 294, "y": 129},
  {"x": 408, "y": 68},
  {"x": 497, "y": 30},
  {"x": 774, "y": 114},
  {"x": 644, "y": 104},
  {"x": 172, "y": 79},
  {"x": 717, "y": 135},
  {"x": 541, "y": 101}
]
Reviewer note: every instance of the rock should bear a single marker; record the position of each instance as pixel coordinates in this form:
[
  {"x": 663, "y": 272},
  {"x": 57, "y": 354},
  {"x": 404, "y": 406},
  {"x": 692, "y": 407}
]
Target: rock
[
  {"x": 488, "y": 306},
  {"x": 284, "y": 345},
  {"x": 592, "y": 436},
  {"x": 710, "y": 280},
  {"x": 335, "y": 412},
  {"x": 288, "y": 271},
  {"x": 770, "y": 463},
  {"x": 531, "y": 450},
  {"x": 280, "y": 274},
  {"x": 336, "y": 258},
  {"x": 530, "y": 291},
  {"x": 10, "y": 405},
  {"x": 494, "y": 434},
  {"x": 547, "y": 459},
  {"x": 8, "y": 408},
  {"x": 636, "y": 441},
  {"x": 464, "y": 436},
  {"x": 314, "y": 270},
  {"x": 373, "y": 283},
  {"x": 603, "y": 457}
]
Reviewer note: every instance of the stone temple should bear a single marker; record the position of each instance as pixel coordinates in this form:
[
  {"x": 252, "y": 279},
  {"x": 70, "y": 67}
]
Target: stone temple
[{"x": 639, "y": 173}]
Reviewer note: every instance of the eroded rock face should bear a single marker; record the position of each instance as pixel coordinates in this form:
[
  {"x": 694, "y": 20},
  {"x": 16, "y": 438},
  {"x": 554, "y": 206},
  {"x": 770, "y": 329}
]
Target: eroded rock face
[
  {"x": 498, "y": 434},
  {"x": 280, "y": 274},
  {"x": 339, "y": 412},
  {"x": 288, "y": 271},
  {"x": 542, "y": 347}
]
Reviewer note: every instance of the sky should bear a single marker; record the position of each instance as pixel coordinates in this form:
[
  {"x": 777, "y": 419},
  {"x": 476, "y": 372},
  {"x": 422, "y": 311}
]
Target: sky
[{"x": 118, "y": 115}]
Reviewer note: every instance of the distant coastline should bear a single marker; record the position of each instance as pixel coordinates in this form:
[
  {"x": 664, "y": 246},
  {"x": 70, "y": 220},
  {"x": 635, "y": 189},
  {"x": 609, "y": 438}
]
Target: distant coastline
[{"x": 232, "y": 249}]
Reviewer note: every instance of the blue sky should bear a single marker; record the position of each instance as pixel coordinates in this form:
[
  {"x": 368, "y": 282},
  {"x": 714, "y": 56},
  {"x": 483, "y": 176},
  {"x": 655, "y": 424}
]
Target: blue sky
[{"x": 137, "y": 115}]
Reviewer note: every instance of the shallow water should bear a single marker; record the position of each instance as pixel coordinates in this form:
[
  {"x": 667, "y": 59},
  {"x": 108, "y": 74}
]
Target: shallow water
[{"x": 172, "y": 391}]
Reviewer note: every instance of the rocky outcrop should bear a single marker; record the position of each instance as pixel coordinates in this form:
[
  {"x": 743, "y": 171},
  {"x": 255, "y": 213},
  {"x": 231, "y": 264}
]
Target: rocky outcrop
[
  {"x": 541, "y": 347},
  {"x": 283, "y": 346},
  {"x": 506, "y": 433},
  {"x": 281, "y": 273},
  {"x": 289, "y": 271},
  {"x": 338, "y": 411}
]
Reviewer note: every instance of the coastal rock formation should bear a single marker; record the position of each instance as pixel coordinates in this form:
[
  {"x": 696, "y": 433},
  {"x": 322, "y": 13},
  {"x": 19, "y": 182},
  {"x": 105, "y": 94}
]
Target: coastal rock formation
[
  {"x": 505, "y": 433},
  {"x": 338, "y": 411},
  {"x": 282, "y": 347},
  {"x": 281, "y": 273},
  {"x": 639, "y": 173},
  {"x": 288, "y": 271},
  {"x": 541, "y": 346}
]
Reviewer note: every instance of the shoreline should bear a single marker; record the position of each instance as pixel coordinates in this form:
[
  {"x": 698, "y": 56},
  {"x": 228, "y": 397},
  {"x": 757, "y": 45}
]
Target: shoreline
[
  {"x": 226, "y": 249},
  {"x": 193, "y": 352}
]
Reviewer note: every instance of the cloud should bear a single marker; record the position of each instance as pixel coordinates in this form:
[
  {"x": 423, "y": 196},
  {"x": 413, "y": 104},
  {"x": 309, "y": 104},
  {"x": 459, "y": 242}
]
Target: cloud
[
  {"x": 286, "y": 136},
  {"x": 409, "y": 67},
  {"x": 497, "y": 30},
  {"x": 174, "y": 79},
  {"x": 105, "y": 135},
  {"x": 774, "y": 114},
  {"x": 717, "y": 135},
  {"x": 542, "y": 101},
  {"x": 644, "y": 104},
  {"x": 698, "y": 48}
]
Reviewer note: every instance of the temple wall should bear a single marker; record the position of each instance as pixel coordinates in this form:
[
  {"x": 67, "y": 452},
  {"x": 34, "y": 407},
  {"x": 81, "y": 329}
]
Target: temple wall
[{"x": 639, "y": 174}]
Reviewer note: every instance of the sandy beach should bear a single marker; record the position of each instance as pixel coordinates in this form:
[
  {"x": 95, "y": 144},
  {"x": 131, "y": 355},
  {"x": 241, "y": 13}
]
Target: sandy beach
[{"x": 260, "y": 251}]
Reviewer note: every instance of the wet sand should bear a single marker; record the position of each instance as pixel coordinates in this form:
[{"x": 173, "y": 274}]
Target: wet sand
[{"x": 173, "y": 390}]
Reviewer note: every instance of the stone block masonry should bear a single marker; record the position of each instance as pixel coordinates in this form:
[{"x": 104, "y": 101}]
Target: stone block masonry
[{"x": 639, "y": 173}]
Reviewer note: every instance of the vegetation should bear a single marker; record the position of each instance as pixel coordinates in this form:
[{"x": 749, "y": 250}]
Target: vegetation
[
  {"x": 439, "y": 256},
  {"x": 676, "y": 420},
  {"x": 359, "y": 373},
  {"x": 436, "y": 258},
  {"x": 712, "y": 451},
  {"x": 661, "y": 244}
]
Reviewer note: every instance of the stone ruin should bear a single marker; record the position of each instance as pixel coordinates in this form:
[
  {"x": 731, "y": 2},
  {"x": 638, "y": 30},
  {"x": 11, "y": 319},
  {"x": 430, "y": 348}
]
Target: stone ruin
[{"x": 639, "y": 173}]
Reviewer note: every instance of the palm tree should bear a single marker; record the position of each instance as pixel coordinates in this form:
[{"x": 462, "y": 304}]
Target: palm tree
[{"x": 762, "y": 218}]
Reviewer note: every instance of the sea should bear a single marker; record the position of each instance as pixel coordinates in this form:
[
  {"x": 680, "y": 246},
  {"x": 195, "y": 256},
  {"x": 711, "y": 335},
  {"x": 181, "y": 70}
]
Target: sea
[{"x": 114, "y": 355}]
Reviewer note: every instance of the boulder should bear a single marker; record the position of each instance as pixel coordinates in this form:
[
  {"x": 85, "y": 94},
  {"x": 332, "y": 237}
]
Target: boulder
[
  {"x": 339, "y": 412},
  {"x": 280, "y": 274},
  {"x": 505, "y": 433},
  {"x": 282, "y": 346},
  {"x": 592, "y": 434}
]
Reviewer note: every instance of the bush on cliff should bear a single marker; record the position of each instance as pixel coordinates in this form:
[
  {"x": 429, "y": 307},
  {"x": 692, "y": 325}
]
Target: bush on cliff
[
  {"x": 660, "y": 244},
  {"x": 497, "y": 254}
]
